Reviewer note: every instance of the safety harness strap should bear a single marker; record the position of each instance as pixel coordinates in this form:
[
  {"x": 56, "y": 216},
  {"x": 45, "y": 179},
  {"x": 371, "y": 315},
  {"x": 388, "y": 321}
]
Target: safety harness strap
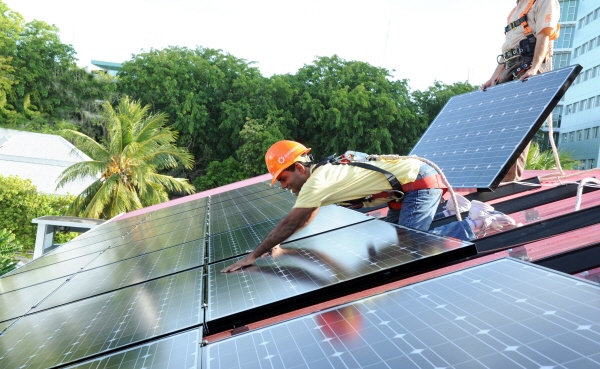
[{"x": 521, "y": 21}]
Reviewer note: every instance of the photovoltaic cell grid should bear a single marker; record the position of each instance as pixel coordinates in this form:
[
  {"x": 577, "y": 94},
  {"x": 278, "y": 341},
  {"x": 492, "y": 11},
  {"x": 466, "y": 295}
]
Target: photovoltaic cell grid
[
  {"x": 313, "y": 263},
  {"x": 106, "y": 322},
  {"x": 228, "y": 221},
  {"x": 126, "y": 273},
  {"x": 17, "y": 303},
  {"x": 477, "y": 136},
  {"x": 243, "y": 240},
  {"x": 148, "y": 240},
  {"x": 261, "y": 189},
  {"x": 175, "y": 352},
  {"x": 504, "y": 314}
]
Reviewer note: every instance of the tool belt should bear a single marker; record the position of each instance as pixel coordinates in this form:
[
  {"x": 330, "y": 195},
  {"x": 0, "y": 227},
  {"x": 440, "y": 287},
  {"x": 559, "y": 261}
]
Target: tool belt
[
  {"x": 515, "y": 68},
  {"x": 397, "y": 196}
]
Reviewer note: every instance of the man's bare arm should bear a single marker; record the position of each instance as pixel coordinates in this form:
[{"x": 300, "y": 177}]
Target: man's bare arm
[
  {"x": 542, "y": 46},
  {"x": 297, "y": 219}
]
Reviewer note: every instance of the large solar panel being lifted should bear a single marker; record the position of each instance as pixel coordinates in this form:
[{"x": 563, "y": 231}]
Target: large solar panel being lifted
[
  {"x": 478, "y": 136},
  {"x": 504, "y": 314},
  {"x": 243, "y": 240},
  {"x": 175, "y": 352},
  {"x": 320, "y": 265},
  {"x": 106, "y": 322}
]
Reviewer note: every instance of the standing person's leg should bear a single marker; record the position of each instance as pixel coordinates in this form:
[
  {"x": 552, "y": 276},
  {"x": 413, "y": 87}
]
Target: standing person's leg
[{"x": 515, "y": 172}]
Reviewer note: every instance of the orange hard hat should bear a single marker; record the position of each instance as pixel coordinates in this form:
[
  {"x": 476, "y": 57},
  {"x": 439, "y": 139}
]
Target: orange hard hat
[{"x": 282, "y": 154}]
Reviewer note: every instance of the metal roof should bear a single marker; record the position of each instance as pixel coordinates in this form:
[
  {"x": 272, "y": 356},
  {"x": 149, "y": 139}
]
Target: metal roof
[{"x": 40, "y": 158}]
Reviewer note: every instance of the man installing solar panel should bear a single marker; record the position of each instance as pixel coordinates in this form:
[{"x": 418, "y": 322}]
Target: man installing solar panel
[
  {"x": 527, "y": 51},
  {"x": 411, "y": 188}
]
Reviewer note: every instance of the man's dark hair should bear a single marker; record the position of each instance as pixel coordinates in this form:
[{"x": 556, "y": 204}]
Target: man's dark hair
[{"x": 292, "y": 168}]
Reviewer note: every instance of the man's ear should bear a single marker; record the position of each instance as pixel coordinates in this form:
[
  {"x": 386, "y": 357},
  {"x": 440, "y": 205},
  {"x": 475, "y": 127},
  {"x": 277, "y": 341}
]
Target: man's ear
[{"x": 301, "y": 168}]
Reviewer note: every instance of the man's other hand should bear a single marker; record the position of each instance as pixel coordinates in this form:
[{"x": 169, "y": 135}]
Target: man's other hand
[{"x": 246, "y": 261}]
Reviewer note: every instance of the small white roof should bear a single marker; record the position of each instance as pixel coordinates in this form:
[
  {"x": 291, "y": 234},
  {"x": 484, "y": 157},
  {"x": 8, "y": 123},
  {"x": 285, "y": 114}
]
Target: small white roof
[{"x": 40, "y": 158}]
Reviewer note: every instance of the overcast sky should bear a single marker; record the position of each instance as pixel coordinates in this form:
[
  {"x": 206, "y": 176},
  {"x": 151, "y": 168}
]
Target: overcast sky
[{"x": 422, "y": 40}]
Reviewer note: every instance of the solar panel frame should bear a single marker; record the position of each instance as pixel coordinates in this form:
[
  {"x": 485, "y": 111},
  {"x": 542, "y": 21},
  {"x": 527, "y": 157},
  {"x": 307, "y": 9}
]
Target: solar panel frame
[
  {"x": 321, "y": 267},
  {"x": 506, "y": 313},
  {"x": 242, "y": 240},
  {"x": 104, "y": 323},
  {"x": 174, "y": 352},
  {"x": 122, "y": 274},
  {"x": 477, "y": 136}
]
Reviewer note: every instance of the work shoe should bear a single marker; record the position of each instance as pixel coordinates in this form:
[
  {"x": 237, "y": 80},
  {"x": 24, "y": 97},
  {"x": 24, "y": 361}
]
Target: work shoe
[
  {"x": 480, "y": 210},
  {"x": 495, "y": 221},
  {"x": 463, "y": 205}
]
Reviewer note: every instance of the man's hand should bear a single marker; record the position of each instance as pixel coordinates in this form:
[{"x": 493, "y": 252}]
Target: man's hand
[
  {"x": 246, "y": 261},
  {"x": 489, "y": 83},
  {"x": 528, "y": 73}
]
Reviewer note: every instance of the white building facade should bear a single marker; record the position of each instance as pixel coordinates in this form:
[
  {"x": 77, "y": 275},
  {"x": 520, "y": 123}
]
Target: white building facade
[{"x": 577, "y": 117}]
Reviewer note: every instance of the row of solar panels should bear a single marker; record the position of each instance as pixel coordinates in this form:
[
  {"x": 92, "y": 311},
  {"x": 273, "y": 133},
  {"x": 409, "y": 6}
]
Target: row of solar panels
[{"x": 134, "y": 281}]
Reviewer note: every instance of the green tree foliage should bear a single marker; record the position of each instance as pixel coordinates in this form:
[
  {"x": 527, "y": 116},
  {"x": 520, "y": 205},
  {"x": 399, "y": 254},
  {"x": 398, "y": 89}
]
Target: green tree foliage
[
  {"x": 9, "y": 249},
  {"x": 138, "y": 147},
  {"x": 206, "y": 93},
  {"x": 39, "y": 81},
  {"x": 20, "y": 203},
  {"x": 256, "y": 138},
  {"x": 352, "y": 105},
  {"x": 544, "y": 160},
  {"x": 431, "y": 101},
  {"x": 220, "y": 173}
]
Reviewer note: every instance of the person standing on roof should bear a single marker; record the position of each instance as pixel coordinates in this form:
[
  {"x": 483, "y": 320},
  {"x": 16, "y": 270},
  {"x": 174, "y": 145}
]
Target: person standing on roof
[
  {"x": 527, "y": 51},
  {"x": 319, "y": 185}
]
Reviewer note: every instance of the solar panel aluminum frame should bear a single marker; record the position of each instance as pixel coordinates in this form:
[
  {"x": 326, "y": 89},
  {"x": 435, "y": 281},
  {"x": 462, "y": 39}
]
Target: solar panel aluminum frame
[
  {"x": 336, "y": 290},
  {"x": 539, "y": 230},
  {"x": 494, "y": 93}
]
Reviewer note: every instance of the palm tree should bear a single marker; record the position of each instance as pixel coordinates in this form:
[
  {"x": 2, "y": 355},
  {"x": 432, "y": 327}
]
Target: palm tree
[
  {"x": 544, "y": 160},
  {"x": 8, "y": 250},
  {"x": 137, "y": 147}
]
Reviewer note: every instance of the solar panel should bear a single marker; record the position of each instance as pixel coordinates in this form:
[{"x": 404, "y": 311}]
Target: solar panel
[
  {"x": 17, "y": 303},
  {"x": 122, "y": 252},
  {"x": 326, "y": 260},
  {"x": 243, "y": 240},
  {"x": 106, "y": 322},
  {"x": 477, "y": 136},
  {"x": 504, "y": 314},
  {"x": 52, "y": 271},
  {"x": 274, "y": 196},
  {"x": 127, "y": 272},
  {"x": 261, "y": 188},
  {"x": 253, "y": 216},
  {"x": 175, "y": 352}
]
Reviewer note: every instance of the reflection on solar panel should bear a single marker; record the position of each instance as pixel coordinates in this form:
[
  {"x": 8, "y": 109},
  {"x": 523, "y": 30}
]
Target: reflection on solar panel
[
  {"x": 16, "y": 303},
  {"x": 477, "y": 136},
  {"x": 95, "y": 325},
  {"x": 52, "y": 271},
  {"x": 243, "y": 240},
  {"x": 175, "y": 352},
  {"x": 504, "y": 314},
  {"x": 325, "y": 260},
  {"x": 128, "y": 272}
]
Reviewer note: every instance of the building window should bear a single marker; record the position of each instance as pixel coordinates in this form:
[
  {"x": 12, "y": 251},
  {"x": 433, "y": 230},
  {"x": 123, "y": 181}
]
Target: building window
[
  {"x": 561, "y": 60},
  {"x": 568, "y": 10},
  {"x": 580, "y": 23},
  {"x": 564, "y": 138},
  {"x": 591, "y": 163},
  {"x": 595, "y": 132},
  {"x": 572, "y": 137},
  {"x": 565, "y": 40},
  {"x": 598, "y": 100},
  {"x": 586, "y": 75},
  {"x": 579, "y": 135},
  {"x": 591, "y": 102},
  {"x": 582, "y": 105},
  {"x": 587, "y": 133}
]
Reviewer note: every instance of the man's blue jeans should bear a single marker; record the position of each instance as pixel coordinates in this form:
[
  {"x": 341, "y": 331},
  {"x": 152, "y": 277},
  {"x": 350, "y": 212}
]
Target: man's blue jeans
[{"x": 419, "y": 207}]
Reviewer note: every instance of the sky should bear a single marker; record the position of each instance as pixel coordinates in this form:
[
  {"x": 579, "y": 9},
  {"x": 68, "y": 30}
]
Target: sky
[{"x": 419, "y": 40}]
